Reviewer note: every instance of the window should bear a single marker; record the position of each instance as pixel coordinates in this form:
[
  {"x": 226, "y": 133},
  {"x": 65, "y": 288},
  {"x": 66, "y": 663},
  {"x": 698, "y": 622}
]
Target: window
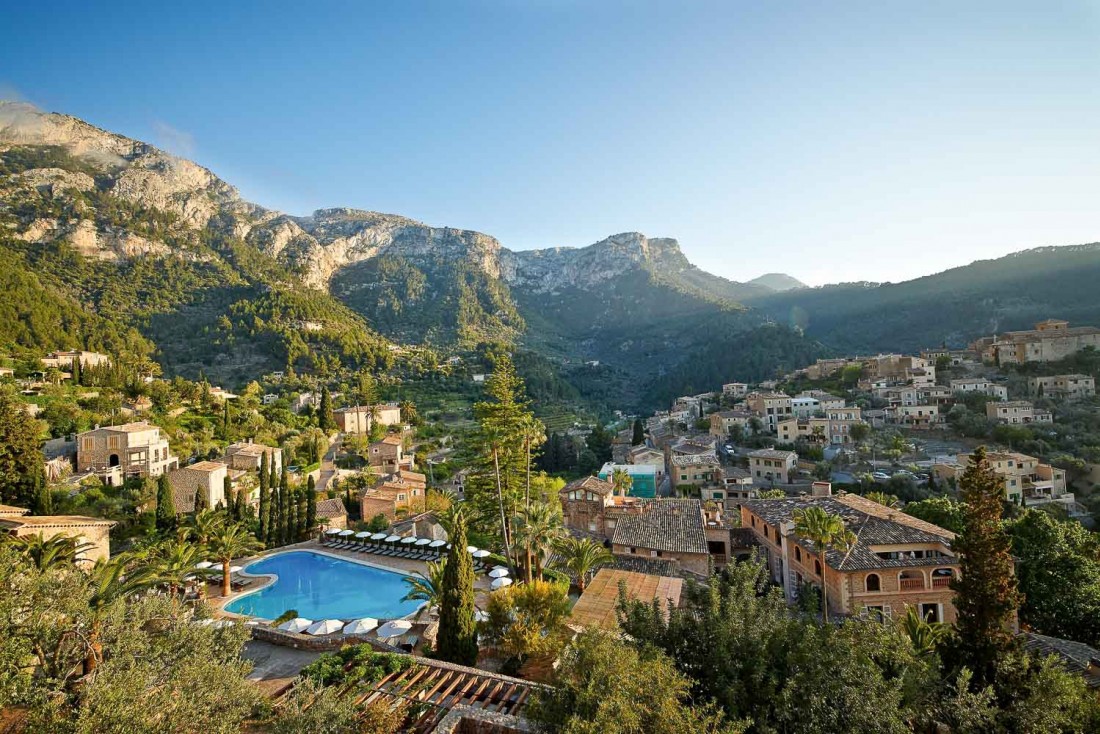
[
  {"x": 817, "y": 567},
  {"x": 798, "y": 554},
  {"x": 874, "y": 583}
]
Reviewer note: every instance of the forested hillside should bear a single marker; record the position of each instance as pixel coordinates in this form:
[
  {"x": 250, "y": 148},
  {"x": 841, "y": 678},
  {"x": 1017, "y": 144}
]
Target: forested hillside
[{"x": 952, "y": 307}]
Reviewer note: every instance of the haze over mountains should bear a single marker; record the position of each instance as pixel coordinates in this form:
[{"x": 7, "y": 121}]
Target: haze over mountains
[{"x": 129, "y": 247}]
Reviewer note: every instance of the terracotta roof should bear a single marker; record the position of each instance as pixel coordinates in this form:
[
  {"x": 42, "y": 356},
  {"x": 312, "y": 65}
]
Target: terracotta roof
[
  {"x": 695, "y": 460},
  {"x": 673, "y": 525},
  {"x": 873, "y": 524},
  {"x": 597, "y": 605},
  {"x": 1074, "y": 656},
  {"x": 590, "y": 484},
  {"x": 207, "y": 466},
  {"x": 12, "y": 510},
  {"x": 330, "y": 508},
  {"x": 391, "y": 440},
  {"x": 130, "y": 427},
  {"x": 772, "y": 454},
  {"x": 56, "y": 521}
]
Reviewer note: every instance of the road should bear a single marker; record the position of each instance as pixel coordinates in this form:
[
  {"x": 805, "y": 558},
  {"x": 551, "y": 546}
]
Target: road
[{"x": 328, "y": 464}]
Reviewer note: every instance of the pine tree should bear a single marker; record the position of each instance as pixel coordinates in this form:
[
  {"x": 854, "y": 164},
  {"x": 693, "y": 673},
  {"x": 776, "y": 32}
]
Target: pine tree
[
  {"x": 166, "y": 506},
  {"x": 457, "y": 638},
  {"x": 311, "y": 505},
  {"x": 639, "y": 433},
  {"x": 325, "y": 420},
  {"x": 20, "y": 455},
  {"x": 265, "y": 501},
  {"x": 986, "y": 597}
]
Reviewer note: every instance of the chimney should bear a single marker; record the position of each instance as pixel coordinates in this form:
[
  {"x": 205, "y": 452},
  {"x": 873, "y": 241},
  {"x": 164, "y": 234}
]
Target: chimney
[{"x": 821, "y": 489}]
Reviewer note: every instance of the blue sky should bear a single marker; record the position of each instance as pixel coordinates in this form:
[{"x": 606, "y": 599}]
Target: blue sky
[{"x": 833, "y": 141}]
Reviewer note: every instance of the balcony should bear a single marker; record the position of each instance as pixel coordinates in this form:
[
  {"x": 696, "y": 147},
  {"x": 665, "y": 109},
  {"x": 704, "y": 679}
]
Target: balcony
[
  {"x": 912, "y": 584},
  {"x": 941, "y": 582}
]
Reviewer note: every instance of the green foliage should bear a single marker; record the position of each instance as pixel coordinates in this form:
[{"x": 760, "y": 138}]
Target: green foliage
[
  {"x": 354, "y": 664},
  {"x": 20, "y": 457},
  {"x": 942, "y": 511},
  {"x": 166, "y": 506},
  {"x": 457, "y": 639}
]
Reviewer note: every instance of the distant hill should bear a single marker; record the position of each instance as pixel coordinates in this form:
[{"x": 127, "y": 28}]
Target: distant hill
[
  {"x": 777, "y": 282},
  {"x": 953, "y": 307}
]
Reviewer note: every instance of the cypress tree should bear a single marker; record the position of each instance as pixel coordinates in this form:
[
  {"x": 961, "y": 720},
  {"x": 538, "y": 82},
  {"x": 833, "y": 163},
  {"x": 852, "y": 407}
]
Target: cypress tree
[
  {"x": 230, "y": 498},
  {"x": 225, "y": 419},
  {"x": 457, "y": 639},
  {"x": 292, "y": 516},
  {"x": 200, "y": 501},
  {"x": 311, "y": 505},
  {"x": 43, "y": 498},
  {"x": 986, "y": 597},
  {"x": 325, "y": 421},
  {"x": 265, "y": 504},
  {"x": 639, "y": 433},
  {"x": 166, "y": 507},
  {"x": 284, "y": 507},
  {"x": 78, "y": 371}
]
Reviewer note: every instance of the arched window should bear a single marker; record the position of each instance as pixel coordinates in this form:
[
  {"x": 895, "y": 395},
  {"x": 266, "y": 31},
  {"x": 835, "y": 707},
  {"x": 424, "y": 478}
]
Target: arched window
[
  {"x": 817, "y": 567},
  {"x": 874, "y": 583},
  {"x": 798, "y": 554}
]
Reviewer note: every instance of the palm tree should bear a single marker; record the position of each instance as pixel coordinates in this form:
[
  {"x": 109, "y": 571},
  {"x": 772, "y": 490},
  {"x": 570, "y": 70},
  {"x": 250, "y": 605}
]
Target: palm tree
[
  {"x": 231, "y": 541},
  {"x": 173, "y": 561},
  {"x": 887, "y": 500},
  {"x": 581, "y": 556},
  {"x": 49, "y": 553},
  {"x": 537, "y": 528},
  {"x": 621, "y": 481},
  {"x": 826, "y": 531},
  {"x": 205, "y": 524},
  {"x": 427, "y": 587},
  {"x": 925, "y": 636},
  {"x": 110, "y": 581}
]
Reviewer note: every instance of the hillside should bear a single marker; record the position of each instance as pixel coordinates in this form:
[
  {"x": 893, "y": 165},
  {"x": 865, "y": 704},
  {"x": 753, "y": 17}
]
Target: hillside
[
  {"x": 155, "y": 255},
  {"x": 777, "y": 282},
  {"x": 952, "y": 307}
]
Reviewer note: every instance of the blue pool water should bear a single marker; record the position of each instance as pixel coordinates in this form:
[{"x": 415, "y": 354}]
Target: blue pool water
[{"x": 323, "y": 587}]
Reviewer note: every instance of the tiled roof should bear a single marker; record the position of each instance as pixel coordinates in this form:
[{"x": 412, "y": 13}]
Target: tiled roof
[
  {"x": 330, "y": 508},
  {"x": 673, "y": 525},
  {"x": 772, "y": 454},
  {"x": 599, "y": 602},
  {"x": 12, "y": 510},
  {"x": 1075, "y": 656},
  {"x": 56, "y": 521},
  {"x": 590, "y": 484},
  {"x": 207, "y": 466},
  {"x": 642, "y": 564},
  {"x": 391, "y": 440},
  {"x": 695, "y": 460},
  {"x": 130, "y": 427},
  {"x": 873, "y": 524}
]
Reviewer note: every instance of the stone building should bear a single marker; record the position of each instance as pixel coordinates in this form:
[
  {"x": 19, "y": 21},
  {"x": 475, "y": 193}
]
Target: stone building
[
  {"x": 115, "y": 453},
  {"x": 94, "y": 532}
]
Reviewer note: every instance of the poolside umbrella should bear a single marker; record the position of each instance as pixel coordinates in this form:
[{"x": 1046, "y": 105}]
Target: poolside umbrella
[
  {"x": 500, "y": 568},
  {"x": 498, "y": 573},
  {"x": 379, "y": 536},
  {"x": 471, "y": 549},
  {"x": 393, "y": 538},
  {"x": 235, "y": 569},
  {"x": 298, "y": 625},
  {"x": 203, "y": 564},
  {"x": 481, "y": 554},
  {"x": 396, "y": 628},
  {"x": 361, "y": 626},
  {"x": 347, "y": 532},
  {"x": 437, "y": 543},
  {"x": 500, "y": 583},
  {"x": 408, "y": 540},
  {"x": 325, "y": 627},
  {"x": 363, "y": 534},
  {"x": 423, "y": 541},
  {"x": 332, "y": 531}
]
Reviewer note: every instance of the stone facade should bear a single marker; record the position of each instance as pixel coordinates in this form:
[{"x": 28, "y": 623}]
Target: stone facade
[{"x": 130, "y": 450}]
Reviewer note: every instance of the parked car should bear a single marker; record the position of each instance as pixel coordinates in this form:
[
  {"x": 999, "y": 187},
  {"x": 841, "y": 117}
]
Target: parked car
[{"x": 880, "y": 476}]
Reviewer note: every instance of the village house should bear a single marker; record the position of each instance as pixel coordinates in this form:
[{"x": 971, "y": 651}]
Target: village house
[
  {"x": 220, "y": 394},
  {"x": 1027, "y": 481},
  {"x": 811, "y": 430},
  {"x": 916, "y": 416},
  {"x": 897, "y": 561},
  {"x": 115, "y": 453},
  {"x": 646, "y": 455},
  {"x": 734, "y": 484},
  {"x": 772, "y": 465},
  {"x": 388, "y": 454},
  {"x": 392, "y": 499},
  {"x": 823, "y": 368},
  {"x": 247, "y": 456},
  {"x": 735, "y": 389},
  {"x": 353, "y": 420},
  {"x": 66, "y": 360},
  {"x": 825, "y": 401},
  {"x": 980, "y": 385},
  {"x": 331, "y": 513},
  {"x": 1066, "y": 387},
  {"x": 1017, "y": 411},
  {"x": 205, "y": 477},
  {"x": 92, "y": 531},
  {"x": 899, "y": 369},
  {"x": 696, "y": 470},
  {"x": 723, "y": 422},
  {"x": 770, "y": 407},
  {"x": 1049, "y": 341}
]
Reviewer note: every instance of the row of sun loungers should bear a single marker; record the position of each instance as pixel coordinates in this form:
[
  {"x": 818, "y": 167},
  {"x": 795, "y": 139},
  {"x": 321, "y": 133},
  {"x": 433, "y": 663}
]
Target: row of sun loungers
[{"x": 397, "y": 551}]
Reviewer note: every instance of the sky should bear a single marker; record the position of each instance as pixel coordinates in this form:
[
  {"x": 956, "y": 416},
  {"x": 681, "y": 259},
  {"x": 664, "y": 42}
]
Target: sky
[{"x": 835, "y": 142}]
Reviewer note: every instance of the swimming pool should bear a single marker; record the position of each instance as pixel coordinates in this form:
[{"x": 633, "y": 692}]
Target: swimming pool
[{"x": 324, "y": 587}]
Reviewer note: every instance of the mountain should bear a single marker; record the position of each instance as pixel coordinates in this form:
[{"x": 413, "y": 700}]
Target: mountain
[
  {"x": 158, "y": 255},
  {"x": 777, "y": 282},
  {"x": 950, "y": 308}
]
